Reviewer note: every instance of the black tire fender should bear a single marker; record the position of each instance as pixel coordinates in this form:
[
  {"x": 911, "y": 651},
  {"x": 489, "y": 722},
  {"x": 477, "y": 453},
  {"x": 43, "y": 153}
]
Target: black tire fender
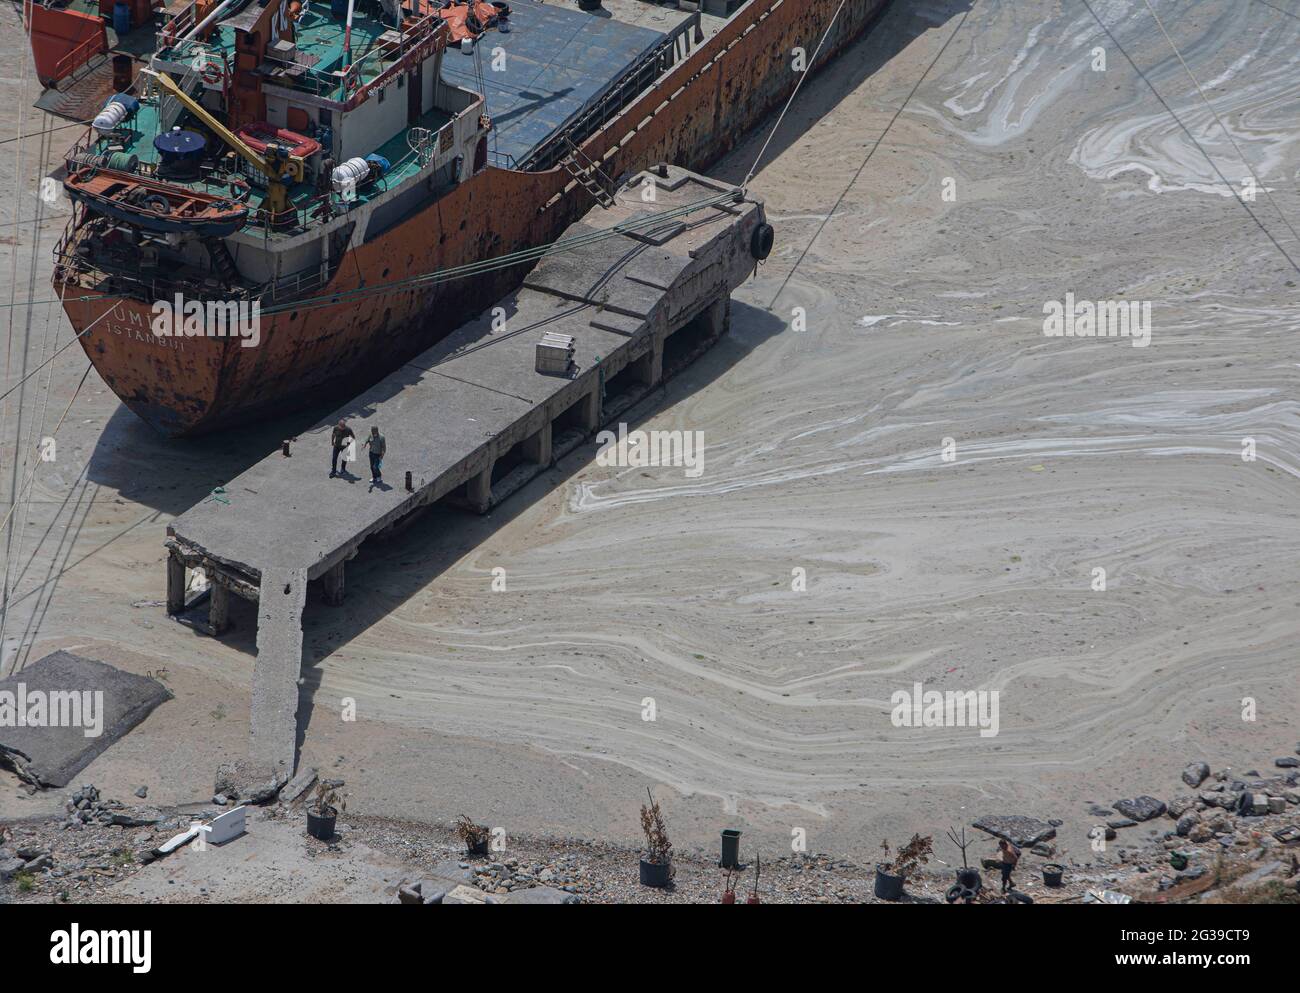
[{"x": 762, "y": 242}]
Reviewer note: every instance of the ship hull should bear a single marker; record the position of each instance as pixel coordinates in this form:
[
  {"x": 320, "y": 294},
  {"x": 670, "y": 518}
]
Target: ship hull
[{"x": 183, "y": 386}]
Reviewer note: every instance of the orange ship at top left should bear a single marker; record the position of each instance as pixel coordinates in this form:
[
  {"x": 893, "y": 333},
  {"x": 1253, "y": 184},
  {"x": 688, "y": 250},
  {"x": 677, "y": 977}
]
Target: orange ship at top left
[{"x": 69, "y": 38}]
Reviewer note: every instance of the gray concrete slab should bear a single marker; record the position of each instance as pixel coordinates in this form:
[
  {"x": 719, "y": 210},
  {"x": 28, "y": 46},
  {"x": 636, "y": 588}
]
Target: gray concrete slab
[
  {"x": 598, "y": 274},
  {"x": 273, "y": 728},
  {"x": 503, "y": 360},
  {"x": 71, "y": 709},
  {"x": 287, "y": 512},
  {"x": 441, "y": 411}
]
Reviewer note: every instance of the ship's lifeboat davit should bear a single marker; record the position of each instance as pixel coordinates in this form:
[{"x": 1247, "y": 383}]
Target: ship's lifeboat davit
[{"x": 153, "y": 206}]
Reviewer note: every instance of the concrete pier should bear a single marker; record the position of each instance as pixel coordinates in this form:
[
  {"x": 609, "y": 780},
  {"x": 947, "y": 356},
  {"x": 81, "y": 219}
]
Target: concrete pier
[{"x": 471, "y": 419}]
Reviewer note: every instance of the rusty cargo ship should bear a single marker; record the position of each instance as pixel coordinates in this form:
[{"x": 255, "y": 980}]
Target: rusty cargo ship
[{"x": 344, "y": 168}]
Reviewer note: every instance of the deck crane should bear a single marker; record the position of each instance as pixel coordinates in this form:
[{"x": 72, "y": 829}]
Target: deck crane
[{"x": 277, "y": 164}]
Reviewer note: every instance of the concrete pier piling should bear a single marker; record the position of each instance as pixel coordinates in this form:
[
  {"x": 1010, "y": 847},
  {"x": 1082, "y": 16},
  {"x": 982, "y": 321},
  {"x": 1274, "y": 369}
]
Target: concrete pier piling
[{"x": 471, "y": 419}]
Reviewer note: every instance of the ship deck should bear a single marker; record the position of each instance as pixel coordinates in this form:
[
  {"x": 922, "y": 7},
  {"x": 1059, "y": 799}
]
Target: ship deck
[
  {"x": 549, "y": 67},
  {"x": 143, "y": 127},
  {"x": 556, "y": 61}
]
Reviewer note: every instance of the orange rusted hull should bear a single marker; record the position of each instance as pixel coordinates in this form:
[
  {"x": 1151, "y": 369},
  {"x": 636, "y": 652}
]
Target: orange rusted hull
[
  {"x": 190, "y": 385},
  {"x": 62, "y": 40}
]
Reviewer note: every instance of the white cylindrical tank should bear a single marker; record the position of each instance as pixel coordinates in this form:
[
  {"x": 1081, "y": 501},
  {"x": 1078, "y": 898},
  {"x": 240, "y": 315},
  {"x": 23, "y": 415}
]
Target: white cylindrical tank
[
  {"x": 350, "y": 173},
  {"x": 110, "y": 117}
]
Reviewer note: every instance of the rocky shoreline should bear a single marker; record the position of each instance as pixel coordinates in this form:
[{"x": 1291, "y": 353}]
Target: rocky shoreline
[{"x": 1224, "y": 837}]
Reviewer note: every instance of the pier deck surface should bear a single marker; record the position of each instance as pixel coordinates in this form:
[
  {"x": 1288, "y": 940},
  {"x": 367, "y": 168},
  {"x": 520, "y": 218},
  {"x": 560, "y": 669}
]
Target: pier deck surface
[{"x": 442, "y": 412}]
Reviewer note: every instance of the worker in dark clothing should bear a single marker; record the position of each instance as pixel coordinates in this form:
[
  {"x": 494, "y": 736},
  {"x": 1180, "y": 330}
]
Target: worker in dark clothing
[
  {"x": 339, "y": 439},
  {"x": 378, "y": 446}
]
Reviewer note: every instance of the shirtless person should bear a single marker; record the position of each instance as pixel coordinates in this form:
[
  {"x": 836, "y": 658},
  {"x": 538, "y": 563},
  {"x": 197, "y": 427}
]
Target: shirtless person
[{"x": 1010, "y": 855}]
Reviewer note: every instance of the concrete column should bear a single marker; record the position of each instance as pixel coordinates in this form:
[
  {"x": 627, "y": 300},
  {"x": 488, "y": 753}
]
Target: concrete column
[
  {"x": 332, "y": 583},
  {"x": 591, "y": 409},
  {"x": 537, "y": 447},
  {"x": 649, "y": 368},
  {"x": 717, "y": 317},
  {"x": 175, "y": 583},
  {"x": 479, "y": 490},
  {"x": 218, "y": 608}
]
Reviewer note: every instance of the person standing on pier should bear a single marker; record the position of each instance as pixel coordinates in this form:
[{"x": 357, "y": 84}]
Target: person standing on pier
[
  {"x": 378, "y": 446},
  {"x": 340, "y": 437}
]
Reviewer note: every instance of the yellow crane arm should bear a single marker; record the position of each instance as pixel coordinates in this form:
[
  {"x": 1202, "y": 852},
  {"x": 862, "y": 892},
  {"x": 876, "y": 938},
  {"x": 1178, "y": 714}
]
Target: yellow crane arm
[{"x": 224, "y": 133}]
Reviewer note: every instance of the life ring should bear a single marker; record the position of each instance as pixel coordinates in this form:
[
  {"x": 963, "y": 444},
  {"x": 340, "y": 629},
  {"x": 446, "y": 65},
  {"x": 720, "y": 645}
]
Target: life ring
[
  {"x": 761, "y": 244},
  {"x": 212, "y": 73}
]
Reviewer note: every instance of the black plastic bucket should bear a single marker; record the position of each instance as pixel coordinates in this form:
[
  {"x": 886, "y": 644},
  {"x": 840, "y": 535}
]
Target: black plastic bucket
[
  {"x": 730, "y": 849},
  {"x": 970, "y": 879},
  {"x": 656, "y": 874},
  {"x": 321, "y": 827},
  {"x": 1053, "y": 874},
  {"x": 888, "y": 886},
  {"x": 478, "y": 849}
]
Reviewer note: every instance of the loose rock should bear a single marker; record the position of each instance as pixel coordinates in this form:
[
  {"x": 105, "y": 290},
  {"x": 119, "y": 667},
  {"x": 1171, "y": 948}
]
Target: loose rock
[{"x": 1142, "y": 808}]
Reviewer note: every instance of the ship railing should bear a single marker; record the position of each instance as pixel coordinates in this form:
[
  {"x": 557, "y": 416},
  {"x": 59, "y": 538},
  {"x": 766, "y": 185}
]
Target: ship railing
[
  {"x": 333, "y": 84},
  {"x": 292, "y": 286},
  {"x": 181, "y": 22},
  {"x": 63, "y": 245},
  {"x": 323, "y": 208},
  {"x": 677, "y": 45},
  {"x": 299, "y": 217},
  {"x": 170, "y": 107},
  {"x": 78, "y": 57},
  {"x": 89, "y": 138},
  {"x": 192, "y": 53},
  {"x": 127, "y": 278}
]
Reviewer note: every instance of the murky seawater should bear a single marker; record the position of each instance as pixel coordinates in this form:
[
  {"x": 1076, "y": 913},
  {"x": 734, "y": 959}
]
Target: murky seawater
[{"x": 944, "y": 478}]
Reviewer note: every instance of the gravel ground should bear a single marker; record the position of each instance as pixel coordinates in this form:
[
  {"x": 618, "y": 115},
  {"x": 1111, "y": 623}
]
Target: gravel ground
[{"x": 84, "y": 857}]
